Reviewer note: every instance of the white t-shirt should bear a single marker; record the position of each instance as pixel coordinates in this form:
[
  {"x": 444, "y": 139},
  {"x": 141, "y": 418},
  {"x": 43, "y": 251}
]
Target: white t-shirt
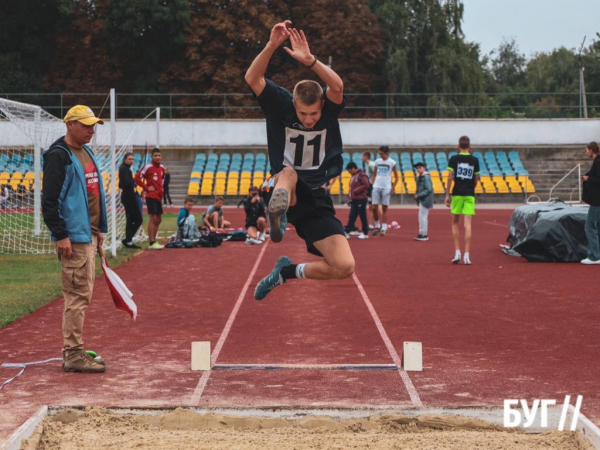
[{"x": 383, "y": 179}]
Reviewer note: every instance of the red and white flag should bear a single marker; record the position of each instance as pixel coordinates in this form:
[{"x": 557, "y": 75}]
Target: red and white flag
[{"x": 121, "y": 295}]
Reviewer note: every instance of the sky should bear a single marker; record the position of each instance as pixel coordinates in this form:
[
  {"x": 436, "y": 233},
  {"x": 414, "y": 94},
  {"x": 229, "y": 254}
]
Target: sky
[{"x": 536, "y": 25}]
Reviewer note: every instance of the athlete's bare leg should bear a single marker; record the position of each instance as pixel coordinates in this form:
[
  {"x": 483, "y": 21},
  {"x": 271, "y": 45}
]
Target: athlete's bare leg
[
  {"x": 252, "y": 232},
  {"x": 456, "y": 231},
  {"x": 467, "y": 224},
  {"x": 384, "y": 215},
  {"x": 338, "y": 263}
]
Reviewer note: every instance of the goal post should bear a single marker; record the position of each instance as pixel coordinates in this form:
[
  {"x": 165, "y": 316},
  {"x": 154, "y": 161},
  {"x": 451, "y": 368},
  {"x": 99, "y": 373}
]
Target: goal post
[{"x": 26, "y": 131}]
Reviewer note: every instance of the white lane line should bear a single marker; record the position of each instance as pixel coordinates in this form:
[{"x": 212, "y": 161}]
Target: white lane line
[
  {"x": 412, "y": 391},
  {"x": 497, "y": 224},
  {"x": 195, "y": 398}
]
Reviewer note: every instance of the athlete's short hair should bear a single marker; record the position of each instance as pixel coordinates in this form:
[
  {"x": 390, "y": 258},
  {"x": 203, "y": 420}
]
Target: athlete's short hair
[
  {"x": 219, "y": 199},
  {"x": 188, "y": 200},
  {"x": 384, "y": 149},
  {"x": 367, "y": 154},
  {"x": 351, "y": 165},
  {"x": 155, "y": 150},
  {"x": 593, "y": 146},
  {"x": 308, "y": 92},
  {"x": 464, "y": 142},
  {"x": 253, "y": 189}
]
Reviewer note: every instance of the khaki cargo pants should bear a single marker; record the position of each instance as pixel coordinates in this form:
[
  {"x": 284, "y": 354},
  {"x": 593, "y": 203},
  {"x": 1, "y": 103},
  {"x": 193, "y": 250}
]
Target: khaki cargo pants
[{"x": 78, "y": 274}]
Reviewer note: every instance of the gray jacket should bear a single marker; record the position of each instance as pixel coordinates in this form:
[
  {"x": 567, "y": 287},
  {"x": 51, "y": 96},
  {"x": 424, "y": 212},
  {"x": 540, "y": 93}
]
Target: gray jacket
[{"x": 425, "y": 190}]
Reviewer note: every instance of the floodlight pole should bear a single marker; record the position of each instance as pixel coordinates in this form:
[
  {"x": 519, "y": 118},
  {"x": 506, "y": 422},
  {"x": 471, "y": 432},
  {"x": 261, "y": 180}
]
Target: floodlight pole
[
  {"x": 157, "y": 127},
  {"x": 582, "y": 96},
  {"x": 113, "y": 174},
  {"x": 37, "y": 180}
]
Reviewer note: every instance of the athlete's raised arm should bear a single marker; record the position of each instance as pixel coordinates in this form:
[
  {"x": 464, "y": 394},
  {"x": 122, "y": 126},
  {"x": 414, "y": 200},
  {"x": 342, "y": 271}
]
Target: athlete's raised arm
[
  {"x": 255, "y": 76},
  {"x": 301, "y": 52}
]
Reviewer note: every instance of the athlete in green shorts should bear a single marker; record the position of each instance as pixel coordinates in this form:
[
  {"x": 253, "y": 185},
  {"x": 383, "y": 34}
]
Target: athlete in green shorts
[{"x": 464, "y": 170}]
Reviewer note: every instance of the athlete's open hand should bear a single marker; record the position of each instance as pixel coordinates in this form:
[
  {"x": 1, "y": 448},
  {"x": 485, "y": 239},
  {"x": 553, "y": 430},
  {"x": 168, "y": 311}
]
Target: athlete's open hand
[
  {"x": 280, "y": 33},
  {"x": 447, "y": 201},
  {"x": 300, "y": 51}
]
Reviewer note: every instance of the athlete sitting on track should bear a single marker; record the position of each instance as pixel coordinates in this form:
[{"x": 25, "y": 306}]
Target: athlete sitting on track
[{"x": 305, "y": 152}]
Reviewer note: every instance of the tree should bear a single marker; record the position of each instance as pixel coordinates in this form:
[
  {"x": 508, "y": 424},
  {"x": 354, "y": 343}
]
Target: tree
[
  {"x": 427, "y": 53},
  {"x": 27, "y": 42},
  {"x": 82, "y": 61},
  {"x": 508, "y": 66},
  {"x": 146, "y": 35},
  {"x": 224, "y": 37}
]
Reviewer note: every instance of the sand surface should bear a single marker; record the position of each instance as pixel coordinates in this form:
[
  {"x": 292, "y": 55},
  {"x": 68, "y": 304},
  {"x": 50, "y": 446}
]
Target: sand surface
[{"x": 98, "y": 428}]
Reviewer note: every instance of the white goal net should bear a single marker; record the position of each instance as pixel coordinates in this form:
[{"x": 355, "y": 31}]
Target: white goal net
[{"x": 26, "y": 131}]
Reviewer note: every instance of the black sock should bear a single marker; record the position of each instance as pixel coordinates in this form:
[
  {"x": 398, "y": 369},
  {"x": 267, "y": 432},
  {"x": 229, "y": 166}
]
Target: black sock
[
  {"x": 288, "y": 272},
  {"x": 151, "y": 243}
]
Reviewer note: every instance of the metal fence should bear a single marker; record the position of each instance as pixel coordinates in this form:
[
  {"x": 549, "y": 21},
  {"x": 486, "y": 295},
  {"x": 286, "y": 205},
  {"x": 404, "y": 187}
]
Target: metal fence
[{"x": 360, "y": 105}]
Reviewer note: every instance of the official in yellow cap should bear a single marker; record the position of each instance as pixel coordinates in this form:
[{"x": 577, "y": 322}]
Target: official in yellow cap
[
  {"x": 74, "y": 209},
  {"x": 83, "y": 114}
]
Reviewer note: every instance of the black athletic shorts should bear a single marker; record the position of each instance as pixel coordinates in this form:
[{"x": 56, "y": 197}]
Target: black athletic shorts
[
  {"x": 154, "y": 206},
  {"x": 252, "y": 223},
  {"x": 313, "y": 216}
]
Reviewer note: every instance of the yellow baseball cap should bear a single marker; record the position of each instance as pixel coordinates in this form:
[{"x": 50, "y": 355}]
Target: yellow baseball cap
[{"x": 82, "y": 114}]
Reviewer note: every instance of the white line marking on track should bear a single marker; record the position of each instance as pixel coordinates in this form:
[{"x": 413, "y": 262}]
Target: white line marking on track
[
  {"x": 497, "y": 224},
  {"x": 410, "y": 387},
  {"x": 195, "y": 398}
]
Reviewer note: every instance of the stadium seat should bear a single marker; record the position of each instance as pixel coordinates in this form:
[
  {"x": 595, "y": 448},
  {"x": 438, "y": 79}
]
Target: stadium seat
[
  {"x": 194, "y": 187},
  {"x": 335, "y": 186},
  {"x": 233, "y": 184},
  {"x": 527, "y": 185},
  {"x": 501, "y": 185},
  {"x": 346, "y": 183},
  {"x": 400, "y": 187}
]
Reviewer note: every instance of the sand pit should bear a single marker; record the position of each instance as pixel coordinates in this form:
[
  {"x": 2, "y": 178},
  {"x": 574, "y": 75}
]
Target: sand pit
[{"x": 182, "y": 429}]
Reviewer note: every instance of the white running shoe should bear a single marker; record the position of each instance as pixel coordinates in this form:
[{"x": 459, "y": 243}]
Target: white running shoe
[
  {"x": 590, "y": 262},
  {"x": 467, "y": 260},
  {"x": 363, "y": 236},
  {"x": 252, "y": 241},
  {"x": 456, "y": 259},
  {"x": 347, "y": 235}
]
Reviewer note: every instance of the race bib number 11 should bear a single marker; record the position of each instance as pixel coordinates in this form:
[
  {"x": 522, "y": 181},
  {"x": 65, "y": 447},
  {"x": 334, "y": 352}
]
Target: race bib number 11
[{"x": 304, "y": 150}]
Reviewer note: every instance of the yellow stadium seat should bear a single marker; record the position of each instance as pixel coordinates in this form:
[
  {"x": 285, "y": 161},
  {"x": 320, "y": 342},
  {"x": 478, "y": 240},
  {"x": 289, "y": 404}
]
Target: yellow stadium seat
[
  {"x": 411, "y": 186},
  {"x": 221, "y": 176},
  {"x": 246, "y": 175},
  {"x": 400, "y": 188},
  {"x": 29, "y": 176},
  {"x": 259, "y": 179},
  {"x": 193, "y": 188},
  {"x": 14, "y": 184},
  {"x": 207, "y": 185},
  {"x": 4, "y": 176},
  {"x": 335, "y": 187},
  {"x": 17, "y": 176},
  {"x": 196, "y": 174},
  {"x": 244, "y": 186},
  {"x": 479, "y": 189},
  {"x": 232, "y": 186},
  {"x": 346, "y": 183}
]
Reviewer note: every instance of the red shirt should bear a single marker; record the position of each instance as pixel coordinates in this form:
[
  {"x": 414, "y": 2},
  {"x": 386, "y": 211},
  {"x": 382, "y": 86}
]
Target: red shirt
[{"x": 152, "y": 175}]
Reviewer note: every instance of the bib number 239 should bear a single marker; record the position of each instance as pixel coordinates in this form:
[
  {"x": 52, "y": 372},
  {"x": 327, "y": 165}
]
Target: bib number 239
[{"x": 304, "y": 150}]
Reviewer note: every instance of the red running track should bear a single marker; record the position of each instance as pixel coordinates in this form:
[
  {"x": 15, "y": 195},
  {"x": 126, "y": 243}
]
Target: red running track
[{"x": 501, "y": 328}]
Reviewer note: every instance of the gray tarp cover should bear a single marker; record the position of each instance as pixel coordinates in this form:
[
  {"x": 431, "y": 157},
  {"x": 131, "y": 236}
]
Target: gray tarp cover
[{"x": 550, "y": 232}]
